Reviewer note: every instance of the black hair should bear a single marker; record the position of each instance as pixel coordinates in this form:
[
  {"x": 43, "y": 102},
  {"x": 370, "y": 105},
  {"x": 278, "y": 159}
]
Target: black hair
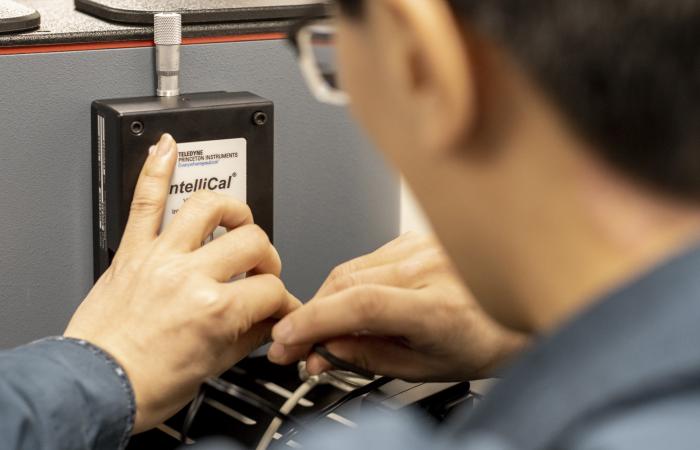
[{"x": 625, "y": 73}]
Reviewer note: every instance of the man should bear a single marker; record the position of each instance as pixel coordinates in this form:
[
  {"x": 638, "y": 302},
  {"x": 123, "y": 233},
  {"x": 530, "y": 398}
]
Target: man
[{"x": 552, "y": 145}]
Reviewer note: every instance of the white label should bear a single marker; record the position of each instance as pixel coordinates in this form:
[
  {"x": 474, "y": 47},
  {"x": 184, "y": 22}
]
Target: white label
[{"x": 218, "y": 166}]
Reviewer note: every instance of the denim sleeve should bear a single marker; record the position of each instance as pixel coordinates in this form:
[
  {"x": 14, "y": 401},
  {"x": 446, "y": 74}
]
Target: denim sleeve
[
  {"x": 669, "y": 423},
  {"x": 400, "y": 430},
  {"x": 63, "y": 394}
]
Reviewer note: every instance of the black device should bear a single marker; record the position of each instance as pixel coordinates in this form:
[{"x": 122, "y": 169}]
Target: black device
[
  {"x": 225, "y": 143},
  {"x": 212, "y": 129}
]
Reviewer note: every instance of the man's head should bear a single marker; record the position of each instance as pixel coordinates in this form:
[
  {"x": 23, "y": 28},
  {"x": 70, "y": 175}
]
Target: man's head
[{"x": 523, "y": 125}]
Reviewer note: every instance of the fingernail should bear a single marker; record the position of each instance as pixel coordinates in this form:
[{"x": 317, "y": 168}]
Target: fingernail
[
  {"x": 152, "y": 150},
  {"x": 276, "y": 352},
  {"x": 282, "y": 332},
  {"x": 165, "y": 145}
]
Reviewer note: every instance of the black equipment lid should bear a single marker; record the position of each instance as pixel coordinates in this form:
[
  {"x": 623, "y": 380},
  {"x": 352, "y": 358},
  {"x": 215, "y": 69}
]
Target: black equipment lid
[
  {"x": 62, "y": 24},
  {"x": 200, "y": 11}
]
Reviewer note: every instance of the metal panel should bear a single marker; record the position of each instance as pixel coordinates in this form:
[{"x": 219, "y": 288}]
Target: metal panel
[{"x": 334, "y": 196}]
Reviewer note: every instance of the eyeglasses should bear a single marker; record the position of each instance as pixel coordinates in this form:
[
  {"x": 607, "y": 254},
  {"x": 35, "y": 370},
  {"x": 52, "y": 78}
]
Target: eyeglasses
[{"x": 314, "y": 42}]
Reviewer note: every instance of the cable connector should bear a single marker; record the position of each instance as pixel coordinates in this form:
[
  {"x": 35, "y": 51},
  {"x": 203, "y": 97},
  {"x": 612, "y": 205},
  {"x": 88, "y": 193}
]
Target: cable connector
[{"x": 167, "y": 35}]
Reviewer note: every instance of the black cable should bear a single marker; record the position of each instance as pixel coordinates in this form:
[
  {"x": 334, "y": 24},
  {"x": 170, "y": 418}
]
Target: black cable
[
  {"x": 350, "y": 396},
  {"x": 237, "y": 392},
  {"x": 264, "y": 405},
  {"x": 251, "y": 398},
  {"x": 341, "y": 364},
  {"x": 191, "y": 414}
]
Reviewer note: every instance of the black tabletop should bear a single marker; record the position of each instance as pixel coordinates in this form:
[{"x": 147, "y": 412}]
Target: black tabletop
[{"x": 61, "y": 23}]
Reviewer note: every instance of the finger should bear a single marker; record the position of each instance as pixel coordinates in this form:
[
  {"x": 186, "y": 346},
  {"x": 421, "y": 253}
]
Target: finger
[
  {"x": 381, "y": 310},
  {"x": 395, "y": 251},
  {"x": 256, "y": 337},
  {"x": 254, "y": 300},
  {"x": 285, "y": 355},
  {"x": 241, "y": 250},
  {"x": 410, "y": 239},
  {"x": 271, "y": 265},
  {"x": 151, "y": 193},
  {"x": 201, "y": 215},
  {"x": 374, "y": 354},
  {"x": 413, "y": 272}
]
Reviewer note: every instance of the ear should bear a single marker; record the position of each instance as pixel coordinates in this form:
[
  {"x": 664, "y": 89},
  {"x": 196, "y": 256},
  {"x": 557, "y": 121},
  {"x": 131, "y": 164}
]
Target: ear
[{"x": 433, "y": 69}]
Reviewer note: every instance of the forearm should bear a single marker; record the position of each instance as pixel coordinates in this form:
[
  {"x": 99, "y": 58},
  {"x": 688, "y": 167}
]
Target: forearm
[{"x": 58, "y": 394}]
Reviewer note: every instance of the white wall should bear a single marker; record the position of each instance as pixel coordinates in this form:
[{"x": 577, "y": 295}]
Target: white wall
[{"x": 412, "y": 216}]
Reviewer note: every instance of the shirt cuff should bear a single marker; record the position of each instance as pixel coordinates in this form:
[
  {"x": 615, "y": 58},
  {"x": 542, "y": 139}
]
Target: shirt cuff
[{"x": 91, "y": 389}]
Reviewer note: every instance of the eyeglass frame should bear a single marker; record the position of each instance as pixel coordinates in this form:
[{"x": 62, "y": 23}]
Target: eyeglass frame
[{"x": 299, "y": 38}]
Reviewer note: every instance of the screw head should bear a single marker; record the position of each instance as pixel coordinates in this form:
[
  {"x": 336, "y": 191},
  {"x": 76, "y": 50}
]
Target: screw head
[
  {"x": 136, "y": 127},
  {"x": 259, "y": 118}
]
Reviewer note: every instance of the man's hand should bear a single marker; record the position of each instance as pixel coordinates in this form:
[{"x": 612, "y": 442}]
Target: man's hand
[
  {"x": 165, "y": 310},
  {"x": 400, "y": 311}
]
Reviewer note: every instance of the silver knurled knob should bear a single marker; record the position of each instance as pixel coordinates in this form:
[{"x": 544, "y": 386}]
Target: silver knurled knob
[
  {"x": 167, "y": 35},
  {"x": 167, "y": 29}
]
